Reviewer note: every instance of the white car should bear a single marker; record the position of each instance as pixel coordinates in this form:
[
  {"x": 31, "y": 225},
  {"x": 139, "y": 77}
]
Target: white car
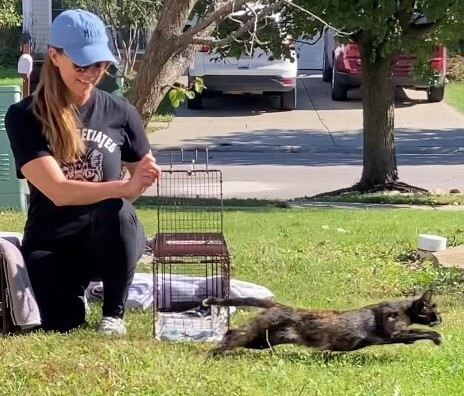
[{"x": 257, "y": 74}]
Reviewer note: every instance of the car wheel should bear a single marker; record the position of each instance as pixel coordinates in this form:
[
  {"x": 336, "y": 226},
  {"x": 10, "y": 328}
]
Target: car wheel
[
  {"x": 339, "y": 91},
  {"x": 288, "y": 100},
  {"x": 436, "y": 93},
  {"x": 326, "y": 69},
  {"x": 195, "y": 103}
]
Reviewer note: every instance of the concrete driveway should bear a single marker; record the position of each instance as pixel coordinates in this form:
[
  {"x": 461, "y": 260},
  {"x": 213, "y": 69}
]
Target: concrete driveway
[{"x": 267, "y": 153}]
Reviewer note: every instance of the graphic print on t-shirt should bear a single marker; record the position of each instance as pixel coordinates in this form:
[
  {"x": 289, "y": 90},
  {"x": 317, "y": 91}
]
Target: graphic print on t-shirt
[
  {"x": 86, "y": 168},
  {"x": 98, "y": 137}
]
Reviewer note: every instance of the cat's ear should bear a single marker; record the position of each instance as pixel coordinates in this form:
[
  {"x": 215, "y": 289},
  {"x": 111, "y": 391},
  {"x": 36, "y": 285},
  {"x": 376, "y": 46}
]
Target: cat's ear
[{"x": 427, "y": 296}]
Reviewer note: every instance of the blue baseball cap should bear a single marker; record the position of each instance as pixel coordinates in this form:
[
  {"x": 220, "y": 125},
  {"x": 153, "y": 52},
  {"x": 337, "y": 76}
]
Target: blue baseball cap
[{"x": 82, "y": 36}]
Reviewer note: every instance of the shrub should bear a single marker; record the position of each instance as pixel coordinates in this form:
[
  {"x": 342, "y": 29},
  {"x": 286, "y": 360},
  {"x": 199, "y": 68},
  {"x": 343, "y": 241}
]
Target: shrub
[
  {"x": 9, "y": 57},
  {"x": 456, "y": 68}
]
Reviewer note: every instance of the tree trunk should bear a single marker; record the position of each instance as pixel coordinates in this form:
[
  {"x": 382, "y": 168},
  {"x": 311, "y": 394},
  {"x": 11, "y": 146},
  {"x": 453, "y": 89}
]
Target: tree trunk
[
  {"x": 148, "y": 96},
  {"x": 164, "y": 60},
  {"x": 169, "y": 53},
  {"x": 379, "y": 156},
  {"x": 170, "y": 72}
]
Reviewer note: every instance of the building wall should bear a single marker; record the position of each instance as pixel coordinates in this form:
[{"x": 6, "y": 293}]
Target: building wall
[{"x": 37, "y": 23}]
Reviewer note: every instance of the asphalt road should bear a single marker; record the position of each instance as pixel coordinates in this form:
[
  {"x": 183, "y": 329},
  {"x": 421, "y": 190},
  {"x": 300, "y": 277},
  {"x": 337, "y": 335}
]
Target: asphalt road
[{"x": 267, "y": 153}]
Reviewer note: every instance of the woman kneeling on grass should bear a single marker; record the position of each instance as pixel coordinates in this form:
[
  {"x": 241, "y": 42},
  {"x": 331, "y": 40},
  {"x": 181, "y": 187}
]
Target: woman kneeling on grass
[{"x": 69, "y": 140}]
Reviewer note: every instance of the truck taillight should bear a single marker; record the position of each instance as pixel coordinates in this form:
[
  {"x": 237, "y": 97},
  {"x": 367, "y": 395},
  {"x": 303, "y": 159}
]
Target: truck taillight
[
  {"x": 352, "y": 51},
  {"x": 287, "y": 81},
  {"x": 348, "y": 59},
  {"x": 438, "y": 61}
]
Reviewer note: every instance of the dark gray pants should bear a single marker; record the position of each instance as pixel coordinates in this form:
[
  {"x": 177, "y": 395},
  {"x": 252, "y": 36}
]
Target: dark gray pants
[{"x": 108, "y": 249}]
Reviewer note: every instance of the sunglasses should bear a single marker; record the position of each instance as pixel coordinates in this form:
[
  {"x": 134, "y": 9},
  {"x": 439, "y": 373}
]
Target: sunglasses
[{"x": 98, "y": 66}]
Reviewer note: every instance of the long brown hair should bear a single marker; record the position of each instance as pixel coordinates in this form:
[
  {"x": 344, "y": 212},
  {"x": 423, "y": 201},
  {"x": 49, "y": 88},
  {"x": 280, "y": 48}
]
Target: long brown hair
[{"x": 52, "y": 107}]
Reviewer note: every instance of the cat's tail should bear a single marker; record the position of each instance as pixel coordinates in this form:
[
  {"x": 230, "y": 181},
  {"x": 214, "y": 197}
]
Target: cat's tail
[{"x": 239, "y": 302}]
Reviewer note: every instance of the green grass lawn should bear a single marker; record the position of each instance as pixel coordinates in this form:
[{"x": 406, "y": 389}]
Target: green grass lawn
[
  {"x": 332, "y": 259},
  {"x": 10, "y": 76},
  {"x": 454, "y": 95}
]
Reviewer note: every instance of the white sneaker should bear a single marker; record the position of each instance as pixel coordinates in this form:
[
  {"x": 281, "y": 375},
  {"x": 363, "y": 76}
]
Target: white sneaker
[{"x": 112, "y": 326}]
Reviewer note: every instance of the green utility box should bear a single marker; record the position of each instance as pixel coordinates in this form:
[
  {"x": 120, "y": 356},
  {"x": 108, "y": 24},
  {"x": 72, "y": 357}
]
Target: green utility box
[
  {"x": 112, "y": 81},
  {"x": 13, "y": 192}
]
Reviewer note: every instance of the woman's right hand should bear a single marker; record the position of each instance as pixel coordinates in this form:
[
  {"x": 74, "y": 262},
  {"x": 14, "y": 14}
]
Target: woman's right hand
[{"x": 144, "y": 174}]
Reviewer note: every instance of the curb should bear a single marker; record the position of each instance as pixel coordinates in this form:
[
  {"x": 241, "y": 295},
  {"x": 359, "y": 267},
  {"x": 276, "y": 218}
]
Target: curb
[
  {"x": 252, "y": 148},
  {"x": 360, "y": 205}
]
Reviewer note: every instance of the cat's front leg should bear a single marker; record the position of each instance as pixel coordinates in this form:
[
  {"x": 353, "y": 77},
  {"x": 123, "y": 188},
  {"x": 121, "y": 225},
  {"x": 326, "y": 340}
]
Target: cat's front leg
[{"x": 234, "y": 338}]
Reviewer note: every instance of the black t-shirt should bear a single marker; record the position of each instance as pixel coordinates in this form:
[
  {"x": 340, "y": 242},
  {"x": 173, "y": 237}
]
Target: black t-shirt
[{"x": 113, "y": 132}]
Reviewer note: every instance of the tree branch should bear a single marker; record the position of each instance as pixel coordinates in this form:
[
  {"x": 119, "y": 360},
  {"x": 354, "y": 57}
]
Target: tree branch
[
  {"x": 213, "y": 17},
  {"x": 403, "y": 14},
  {"x": 266, "y": 11}
]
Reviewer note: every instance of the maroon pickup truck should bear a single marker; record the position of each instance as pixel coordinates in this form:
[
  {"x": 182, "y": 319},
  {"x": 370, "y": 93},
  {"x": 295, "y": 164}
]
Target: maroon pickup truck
[{"x": 342, "y": 67}]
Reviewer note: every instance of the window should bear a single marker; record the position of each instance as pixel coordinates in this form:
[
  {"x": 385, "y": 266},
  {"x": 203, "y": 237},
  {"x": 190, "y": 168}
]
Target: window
[{"x": 57, "y": 8}]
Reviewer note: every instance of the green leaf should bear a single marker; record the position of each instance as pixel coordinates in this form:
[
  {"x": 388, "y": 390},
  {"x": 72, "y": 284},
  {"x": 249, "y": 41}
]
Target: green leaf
[
  {"x": 172, "y": 95},
  {"x": 198, "y": 85},
  {"x": 190, "y": 94},
  {"x": 177, "y": 96},
  {"x": 10, "y": 14}
]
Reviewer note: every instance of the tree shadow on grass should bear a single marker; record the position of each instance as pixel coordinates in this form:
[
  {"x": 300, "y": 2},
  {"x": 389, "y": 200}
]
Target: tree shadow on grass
[
  {"x": 322, "y": 358},
  {"x": 343, "y": 358}
]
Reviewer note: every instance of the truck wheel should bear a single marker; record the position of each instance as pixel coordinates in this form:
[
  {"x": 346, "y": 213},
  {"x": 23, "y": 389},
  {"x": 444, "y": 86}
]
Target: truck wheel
[
  {"x": 435, "y": 94},
  {"x": 326, "y": 69},
  {"x": 339, "y": 91},
  {"x": 288, "y": 100}
]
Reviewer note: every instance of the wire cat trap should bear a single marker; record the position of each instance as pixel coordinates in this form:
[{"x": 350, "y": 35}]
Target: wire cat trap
[{"x": 191, "y": 260}]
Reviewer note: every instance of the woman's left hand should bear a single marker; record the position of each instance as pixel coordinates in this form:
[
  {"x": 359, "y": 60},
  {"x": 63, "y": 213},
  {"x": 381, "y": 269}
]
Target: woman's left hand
[{"x": 142, "y": 175}]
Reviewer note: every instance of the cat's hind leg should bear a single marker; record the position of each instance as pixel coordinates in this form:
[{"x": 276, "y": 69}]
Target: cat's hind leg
[
  {"x": 234, "y": 338},
  {"x": 251, "y": 336}
]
